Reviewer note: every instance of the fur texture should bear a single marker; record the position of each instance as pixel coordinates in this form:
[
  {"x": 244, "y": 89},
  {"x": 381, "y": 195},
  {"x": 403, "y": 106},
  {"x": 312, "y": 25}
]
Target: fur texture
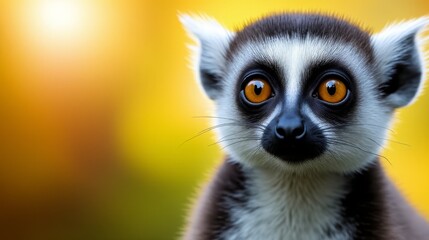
[{"x": 339, "y": 193}]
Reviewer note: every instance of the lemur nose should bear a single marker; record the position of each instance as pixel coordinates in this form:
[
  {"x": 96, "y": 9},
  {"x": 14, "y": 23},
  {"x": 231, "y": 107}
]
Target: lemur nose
[{"x": 290, "y": 127}]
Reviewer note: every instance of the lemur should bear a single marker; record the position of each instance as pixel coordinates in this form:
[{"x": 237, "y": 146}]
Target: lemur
[{"x": 304, "y": 103}]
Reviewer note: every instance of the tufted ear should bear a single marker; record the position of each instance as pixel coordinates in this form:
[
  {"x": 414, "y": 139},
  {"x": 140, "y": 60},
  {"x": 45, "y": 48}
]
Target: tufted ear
[
  {"x": 210, "y": 53},
  {"x": 399, "y": 58}
]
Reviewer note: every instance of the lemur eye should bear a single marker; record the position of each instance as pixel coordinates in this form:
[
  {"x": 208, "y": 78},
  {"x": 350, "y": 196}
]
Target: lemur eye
[
  {"x": 257, "y": 90},
  {"x": 332, "y": 90}
]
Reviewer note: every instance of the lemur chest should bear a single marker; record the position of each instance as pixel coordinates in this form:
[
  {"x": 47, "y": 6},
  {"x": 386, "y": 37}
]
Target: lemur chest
[{"x": 289, "y": 210}]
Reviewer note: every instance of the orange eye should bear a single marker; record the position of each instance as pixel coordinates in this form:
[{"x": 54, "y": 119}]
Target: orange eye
[
  {"x": 332, "y": 90},
  {"x": 257, "y": 91}
]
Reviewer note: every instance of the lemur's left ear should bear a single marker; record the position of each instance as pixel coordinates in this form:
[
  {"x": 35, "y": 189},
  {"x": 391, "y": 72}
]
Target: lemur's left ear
[
  {"x": 399, "y": 58},
  {"x": 210, "y": 53}
]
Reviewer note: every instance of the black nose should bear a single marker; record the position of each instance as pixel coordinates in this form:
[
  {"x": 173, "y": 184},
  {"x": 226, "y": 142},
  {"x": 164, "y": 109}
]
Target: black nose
[{"x": 290, "y": 127}]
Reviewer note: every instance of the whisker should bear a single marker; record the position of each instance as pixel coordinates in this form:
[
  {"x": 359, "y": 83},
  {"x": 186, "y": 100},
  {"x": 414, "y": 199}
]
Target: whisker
[
  {"x": 255, "y": 150},
  {"x": 357, "y": 124},
  {"x": 342, "y": 142},
  {"x": 237, "y": 142},
  {"x": 234, "y": 120},
  {"x": 215, "y": 117},
  {"x": 230, "y": 139},
  {"x": 208, "y": 130},
  {"x": 372, "y": 125},
  {"x": 396, "y": 142},
  {"x": 330, "y": 130}
]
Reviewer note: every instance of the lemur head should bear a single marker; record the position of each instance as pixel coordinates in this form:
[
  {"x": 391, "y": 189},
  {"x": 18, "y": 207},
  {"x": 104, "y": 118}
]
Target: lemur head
[{"x": 307, "y": 92}]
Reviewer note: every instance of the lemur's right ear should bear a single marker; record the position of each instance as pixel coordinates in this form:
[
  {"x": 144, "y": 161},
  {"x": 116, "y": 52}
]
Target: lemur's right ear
[
  {"x": 400, "y": 58},
  {"x": 210, "y": 53}
]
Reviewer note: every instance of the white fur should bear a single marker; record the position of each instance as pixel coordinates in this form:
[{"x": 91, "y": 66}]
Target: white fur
[
  {"x": 294, "y": 55},
  {"x": 289, "y": 201},
  {"x": 367, "y": 134},
  {"x": 388, "y": 48},
  {"x": 290, "y": 207},
  {"x": 212, "y": 43}
]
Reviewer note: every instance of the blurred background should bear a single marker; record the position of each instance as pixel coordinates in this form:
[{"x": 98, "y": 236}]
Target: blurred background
[{"x": 96, "y": 99}]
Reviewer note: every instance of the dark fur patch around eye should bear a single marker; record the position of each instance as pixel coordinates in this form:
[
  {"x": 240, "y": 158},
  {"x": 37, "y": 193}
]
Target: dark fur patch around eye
[
  {"x": 254, "y": 113},
  {"x": 302, "y": 26},
  {"x": 333, "y": 113}
]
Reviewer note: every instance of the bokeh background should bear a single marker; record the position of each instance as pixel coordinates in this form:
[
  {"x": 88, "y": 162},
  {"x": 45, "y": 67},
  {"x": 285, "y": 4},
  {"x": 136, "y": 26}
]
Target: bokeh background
[{"x": 96, "y": 99}]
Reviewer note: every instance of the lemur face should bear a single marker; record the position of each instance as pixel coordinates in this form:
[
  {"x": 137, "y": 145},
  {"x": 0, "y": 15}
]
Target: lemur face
[
  {"x": 302, "y": 102},
  {"x": 307, "y": 92}
]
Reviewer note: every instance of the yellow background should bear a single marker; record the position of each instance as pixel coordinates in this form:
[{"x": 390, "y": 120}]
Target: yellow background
[{"x": 93, "y": 112}]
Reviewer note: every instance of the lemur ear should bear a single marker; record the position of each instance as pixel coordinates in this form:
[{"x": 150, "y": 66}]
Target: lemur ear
[
  {"x": 210, "y": 53},
  {"x": 399, "y": 57}
]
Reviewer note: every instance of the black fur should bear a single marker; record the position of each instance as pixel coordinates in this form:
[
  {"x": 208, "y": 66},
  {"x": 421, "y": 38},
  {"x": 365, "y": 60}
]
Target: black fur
[
  {"x": 291, "y": 150},
  {"x": 210, "y": 81},
  {"x": 215, "y": 217},
  {"x": 340, "y": 114},
  {"x": 272, "y": 73},
  {"x": 406, "y": 73},
  {"x": 365, "y": 205},
  {"x": 302, "y": 26},
  {"x": 372, "y": 207}
]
